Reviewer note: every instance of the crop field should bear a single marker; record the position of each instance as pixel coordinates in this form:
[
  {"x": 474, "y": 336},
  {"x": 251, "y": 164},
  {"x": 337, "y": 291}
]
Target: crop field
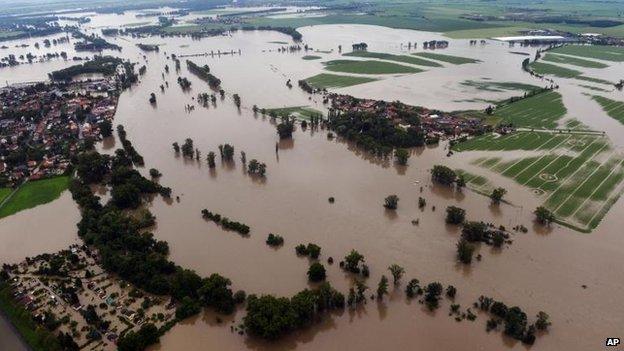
[
  {"x": 456, "y": 60},
  {"x": 607, "y": 53},
  {"x": 613, "y": 108},
  {"x": 300, "y": 112},
  {"x": 311, "y": 57},
  {"x": 326, "y": 80},
  {"x": 575, "y": 61},
  {"x": 398, "y": 58},
  {"x": 476, "y": 182},
  {"x": 539, "y": 111},
  {"x": 578, "y": 176},
  {"x": 368, "y": 67}
]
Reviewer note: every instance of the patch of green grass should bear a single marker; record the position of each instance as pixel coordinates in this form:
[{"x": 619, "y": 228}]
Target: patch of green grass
[
  {"x": 35, "y": 193},
  {"x": 456, "y": 60},
  {"x": 37, "y": 337},
  {"x": 4, "y": 192},
  {"x": 475, "y": 182},
  {"x": 613, "y": 108},
  {"x": 575, "y": 61},
  {"x": 591, "y": 87},
  {"x": 311, "y": 57},
  {"x": 398, "y": 58},
  {"x": 601, "y": 52},
  {"x": 539, "y": 111},
  {"x": 326, "y": 81},
  {"x": 368, "y": 67},
  {"x": 300, "y": 112}
]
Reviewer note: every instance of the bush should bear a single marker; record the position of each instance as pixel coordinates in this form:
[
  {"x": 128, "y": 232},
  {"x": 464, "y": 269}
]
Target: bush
[
  {"x": 465, "y": 250},
  {"x": 274, "y": 240}
]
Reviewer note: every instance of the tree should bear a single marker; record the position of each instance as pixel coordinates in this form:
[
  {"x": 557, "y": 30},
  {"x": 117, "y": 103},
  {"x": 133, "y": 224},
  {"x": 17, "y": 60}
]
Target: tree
[
  {"x": 188, "y": 307},
  {"x": 274, "y": 240},
  {"x": 443, "y": 175},
  {"x": 187, "y": 148},
  {"x": 397, "y": 272},
  {"x": 237, "y": 100},
  {"x": 382, "y": 287},
  {"x": 461, "y": 181},
  {"x": 474, "y": 231},
  {"x": 211, "y": 159},
  {"x": 286, "y": 128},
  {"x": 497, "y": 195},
  {"x": 269, "y": 317},
  {"x": 137, "y": 341},
  {"x": 152, "y": 98},
  {"x": 455, "y": 215},
  {"x": 215, "y": 292},
  {"x": 543, "y": 321},
  {"x": 313, "y": 250},
  {"x": 154, "y": 173},
  {"x": 515, "y": 323},
  {"x": 176, "y": 147},
  {"x": 352, "y": 261},
  {"x": 391, "y": 202},
  {"x": 432, "y": 295},
  {"x": 316, "y": 272},
  {"x": 413, "y": 288},
  {"x": 465, "y": 250},
  {"x": 227, "y": 152},
  {"x": 401, "y": 155},
  {"x": 543, "y": 215},
  {"x": 106, "y": 128}
]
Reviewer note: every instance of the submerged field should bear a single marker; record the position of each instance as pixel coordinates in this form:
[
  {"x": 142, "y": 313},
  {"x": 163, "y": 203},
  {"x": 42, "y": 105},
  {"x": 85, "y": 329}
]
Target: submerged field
[
  {"x": 368, "y": 67},
  {"x": 613, "y": 108},
  {"x": 326, "y": 80},
  {"x": 300, "y": 112},
  {"x": 562, "y": 72},
  {"x": 577, "y": 176},
  {"x": 34, "y": 193},
  {"x": 398, "y": 58},
  {"x": 575, "y": 61},
  {"x": 456, "y": 60}
]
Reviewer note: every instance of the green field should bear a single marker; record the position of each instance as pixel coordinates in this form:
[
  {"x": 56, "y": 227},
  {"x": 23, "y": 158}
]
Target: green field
[
  {"x": 577, "y": 176},
  {"x": 476, "y": 182},
  {"x": 368, "y": 67},
  {"x": 607, "y": 53},
  {"x": 326, "y": 80},
  {"x": 398, "y": 58},
  {"x": 300, "y": 112},
  {"x": 4, "y": 192},
  {"x": 613, "y": 108},
  {"x": 311, "y": 57},
  {"x": 575, "y": 61},
  {"x": 540, "y": 111},
  {"x": 34, "y": 193},
  {"x": 456, "y": 60}
]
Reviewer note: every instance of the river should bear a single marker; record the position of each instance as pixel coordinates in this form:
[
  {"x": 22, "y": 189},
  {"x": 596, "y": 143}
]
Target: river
[{"x": 541, "y": 270}]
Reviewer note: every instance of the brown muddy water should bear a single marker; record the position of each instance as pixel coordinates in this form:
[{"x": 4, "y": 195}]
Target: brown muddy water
[{"x": 541, "y": 270}]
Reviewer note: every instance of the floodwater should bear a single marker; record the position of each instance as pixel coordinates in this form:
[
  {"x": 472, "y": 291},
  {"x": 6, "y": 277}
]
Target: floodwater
[{"x": 541, "y": 270}]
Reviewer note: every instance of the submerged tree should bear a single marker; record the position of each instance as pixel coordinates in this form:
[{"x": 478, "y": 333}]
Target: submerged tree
[
  {"x": 391, "y": 202},
  {"x": 397, "y": 272},
  {"x": 401, "y": 155},
  {"x": 211, "y": 159},
  {"x": 544, "y": 215},
  {"x": 465, "y": 250},
  {"x": 382, "y": 287},
  {"x": 455, "y": 215},
  {"x": 497, "y": 195}
]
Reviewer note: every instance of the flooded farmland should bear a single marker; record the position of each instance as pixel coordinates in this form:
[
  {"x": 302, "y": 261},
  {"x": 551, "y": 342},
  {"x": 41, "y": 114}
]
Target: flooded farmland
[{"x": 544, "y": 269}]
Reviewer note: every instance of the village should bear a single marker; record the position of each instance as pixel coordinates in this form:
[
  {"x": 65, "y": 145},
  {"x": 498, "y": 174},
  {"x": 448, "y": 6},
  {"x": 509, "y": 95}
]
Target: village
[
  {"x": 434, "y": 124},
  {"x": 42, "y": 123},
  {"x": 69, "y": 293}
]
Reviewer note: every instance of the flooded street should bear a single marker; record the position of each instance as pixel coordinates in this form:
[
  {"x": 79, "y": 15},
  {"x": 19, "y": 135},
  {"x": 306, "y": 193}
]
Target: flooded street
[{"x": 543, "y": 270}]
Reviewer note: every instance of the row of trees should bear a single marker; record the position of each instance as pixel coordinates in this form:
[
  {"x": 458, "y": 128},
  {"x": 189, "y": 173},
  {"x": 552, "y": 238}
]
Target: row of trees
[
  {"x": 203, "y": 72},
  {"x": 225, "y": 222}
]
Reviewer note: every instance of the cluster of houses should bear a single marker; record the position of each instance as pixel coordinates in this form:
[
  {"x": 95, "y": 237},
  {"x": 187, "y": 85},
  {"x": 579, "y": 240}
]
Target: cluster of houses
[
  {"x": 69, "y": 292},
  {"x": 42, "y": 124},
  {"x": 435, "y": 124}
]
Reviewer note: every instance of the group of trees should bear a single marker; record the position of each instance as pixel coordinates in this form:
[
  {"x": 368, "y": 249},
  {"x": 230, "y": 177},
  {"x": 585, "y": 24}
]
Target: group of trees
[
  {"x": 256, "y": 168},
  {"x": 375, "y": 133},
  {"x": 286, "y": 128},
  {"x": 184, "y": 83},
  {"x": 514, "y": 320},
  {"x": 105, "y": 65},
  {"x": 443, "y": 175},
  {"x": 478, "y": 232},
  {"x": 391, "y": 202},
  {"x": 225, "y": 222},
  {"x": 311, "y": 250},
  {"x": 269, "y": 317},
  {"x": 134, "y": 155},
  {"x": 274, "y": 240},
  {"x": 203, "y": 72}
]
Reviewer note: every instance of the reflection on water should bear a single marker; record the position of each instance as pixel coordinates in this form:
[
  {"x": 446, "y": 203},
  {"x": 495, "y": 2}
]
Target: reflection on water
[{"x": 537, "y": 272}]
